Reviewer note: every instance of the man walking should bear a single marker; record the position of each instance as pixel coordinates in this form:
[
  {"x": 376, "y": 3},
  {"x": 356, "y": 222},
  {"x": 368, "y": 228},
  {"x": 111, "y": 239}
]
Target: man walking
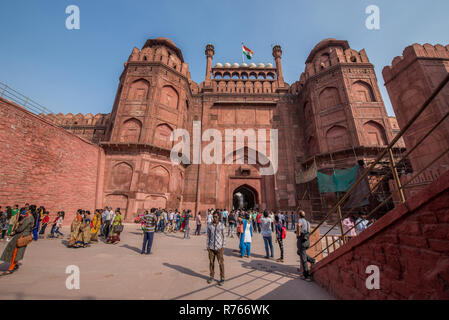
[
  {"x": 216, "y": 241},
  {"x": 187, "y": 224},
  {"x": 198, "y": 224},
  {"x": 303, "y": 243},
  {"x": 149, "y": 225},
  {"x": 108, "y": 222}
]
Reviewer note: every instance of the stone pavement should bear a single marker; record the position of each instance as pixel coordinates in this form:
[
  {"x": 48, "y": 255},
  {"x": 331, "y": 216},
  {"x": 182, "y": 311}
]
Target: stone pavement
[{"x": 176, "y": 269}]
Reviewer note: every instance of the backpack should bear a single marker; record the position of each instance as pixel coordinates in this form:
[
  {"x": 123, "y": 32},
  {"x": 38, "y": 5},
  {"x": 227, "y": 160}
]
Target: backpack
[{"x": 284, "y": 233}]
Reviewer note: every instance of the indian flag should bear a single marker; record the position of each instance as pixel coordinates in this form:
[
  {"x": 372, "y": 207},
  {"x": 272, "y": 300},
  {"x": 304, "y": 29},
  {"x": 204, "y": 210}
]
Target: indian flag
[{"x": 247, "y": 52}]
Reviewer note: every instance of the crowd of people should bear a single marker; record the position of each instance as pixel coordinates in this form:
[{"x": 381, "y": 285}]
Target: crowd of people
[{"x": 21, "y": 226}]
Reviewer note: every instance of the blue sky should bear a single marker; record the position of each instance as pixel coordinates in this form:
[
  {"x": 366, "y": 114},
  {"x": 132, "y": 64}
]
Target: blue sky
[{"x": 78, "y": 71}]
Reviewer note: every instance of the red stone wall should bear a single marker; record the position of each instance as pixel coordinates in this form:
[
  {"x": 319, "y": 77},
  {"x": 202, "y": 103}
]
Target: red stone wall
[
  {"x": 410, "y": 80},
  {"x": 45, "y": 165},
  {"x": 410, "y": 245}
]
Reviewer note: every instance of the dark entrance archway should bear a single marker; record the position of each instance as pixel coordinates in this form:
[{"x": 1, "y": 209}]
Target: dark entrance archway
[{"x": 245, "y": 197}]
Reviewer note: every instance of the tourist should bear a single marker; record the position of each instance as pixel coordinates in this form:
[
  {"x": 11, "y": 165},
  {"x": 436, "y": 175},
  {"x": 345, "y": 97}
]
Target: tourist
[
  {"x": 108, "y": 222},
  {"x": 272, "y": 219},
  {"x": 171, "y": 218},
  {"x": 187, "y": 217},
  {"x": 258, "y": 222},
  {"x": 361, "y": 224},
  {"x": 293, "y": 216},
  {"x": 303, "y": 243},
  {"x": 4, "y": 223},
  {"x": 95, "y": 226},
  {"x": 13, "y": 219},
  {"x": 348, "y": 228},
  {"x": 245, "y": 238},
  {"x": 15, "y": 250},
  {"x": 198, "y": 224},
  {"x": 225, "y": 217},
  {"x": 149, "y": 226},
  {"x": 159, "y": 220},
  {"x": 45, "y": 222},
  {"x": 75, "y": 230},
  {"x": 85, "y": 229},
  {"x": 254, "y": 220},
  {"x": 57, "y": 225},
  {"x": 116, "y": 229},
  {"x": 209, "y": 216},
  {"x": 216, "y": 241},
  {"x": 178, "y": 221},
  {"x": 279, "y": 238},
  {"x": 266, "y": 234},
  {"x": 103, "y": 220},
  {"x": 232, "y": 222}
]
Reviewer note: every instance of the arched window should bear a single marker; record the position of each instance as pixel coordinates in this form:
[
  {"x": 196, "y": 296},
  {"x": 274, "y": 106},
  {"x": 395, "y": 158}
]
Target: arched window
[
  {"x": 329, "y": 97},
  {"x": 362, "y": 92},
  {"x": 139, "y": 90},
  {"x": 159, "y": 179},
  {"x": 162, "y": 136},
  {"x": 131, "y": 131},
  {"x": 169, "y": 97},
  {"x": 337, "y": 138},
  {"x": 121, "y": 176},
  {"x": 375, "y": 134}
]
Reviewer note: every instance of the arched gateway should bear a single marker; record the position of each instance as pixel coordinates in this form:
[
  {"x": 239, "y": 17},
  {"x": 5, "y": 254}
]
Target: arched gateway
[{"x": 245, "y": 197}]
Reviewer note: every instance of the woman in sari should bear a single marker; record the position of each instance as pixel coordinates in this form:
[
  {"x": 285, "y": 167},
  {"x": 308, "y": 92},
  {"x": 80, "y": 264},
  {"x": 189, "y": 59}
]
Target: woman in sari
[
  {"x": 12, "y": 253},
  {"x": 75, "y": 230},
  {"x": 85, "y": 230},
  {"x": 95, "y": 226},
  {"x": 13, "y": 215},
  {"x": 117, "y": 226}
]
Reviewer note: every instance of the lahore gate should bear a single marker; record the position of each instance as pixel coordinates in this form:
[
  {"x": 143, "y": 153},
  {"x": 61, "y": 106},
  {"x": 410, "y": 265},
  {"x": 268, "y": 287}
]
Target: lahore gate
[{"x": 333, "y": 117}]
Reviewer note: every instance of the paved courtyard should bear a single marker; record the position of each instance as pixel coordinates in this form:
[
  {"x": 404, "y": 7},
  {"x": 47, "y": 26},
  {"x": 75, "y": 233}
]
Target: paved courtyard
[{"x": 177, "y": 269}]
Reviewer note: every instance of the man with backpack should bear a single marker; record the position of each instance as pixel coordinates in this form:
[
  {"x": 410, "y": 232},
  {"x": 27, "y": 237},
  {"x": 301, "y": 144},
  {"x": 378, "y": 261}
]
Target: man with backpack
[{"x": 303, "y": 243}]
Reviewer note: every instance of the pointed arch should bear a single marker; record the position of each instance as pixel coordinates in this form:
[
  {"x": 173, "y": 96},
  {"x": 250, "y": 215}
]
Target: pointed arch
[
  {"x": 329, "y": 97},
  {"x": 121, "y": 176},
  {"x": 170, "y": 97},
  {"x": 374, "y": 133},
  {"x": 130, "y": 131},
  {"x": 337, "y": 138},
  {"x": 362, "y": 92},
  {"x": 138, "y": 90},
  {"x": 162, "y": 136},
  {"x": 159, "y": 179}
]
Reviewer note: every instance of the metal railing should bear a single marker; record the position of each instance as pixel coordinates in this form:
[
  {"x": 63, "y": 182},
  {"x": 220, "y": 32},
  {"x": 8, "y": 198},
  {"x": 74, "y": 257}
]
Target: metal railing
[
  {"x": 12, "y": 95},
  {"x": 332, "y": 243}
]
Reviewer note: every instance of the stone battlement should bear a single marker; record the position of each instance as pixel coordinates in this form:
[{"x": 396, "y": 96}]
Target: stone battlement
[
  {"x": 161, "y": 50},
  {"x": 100, "y": 119},
  {"x": 410, "y": 54}
]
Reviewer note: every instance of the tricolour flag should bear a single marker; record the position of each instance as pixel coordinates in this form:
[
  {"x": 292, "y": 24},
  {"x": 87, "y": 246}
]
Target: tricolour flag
[{"x": 247, "y": 52}]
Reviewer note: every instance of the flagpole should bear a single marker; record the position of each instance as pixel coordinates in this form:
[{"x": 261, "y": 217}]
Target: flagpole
[{"x": 243, "y": 59}]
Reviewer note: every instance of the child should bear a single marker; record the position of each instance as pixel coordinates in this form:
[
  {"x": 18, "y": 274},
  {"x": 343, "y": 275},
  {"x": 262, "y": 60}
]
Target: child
[
  {"x": 58, "y": 225},
  {"x": 45, "y": 222}
]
